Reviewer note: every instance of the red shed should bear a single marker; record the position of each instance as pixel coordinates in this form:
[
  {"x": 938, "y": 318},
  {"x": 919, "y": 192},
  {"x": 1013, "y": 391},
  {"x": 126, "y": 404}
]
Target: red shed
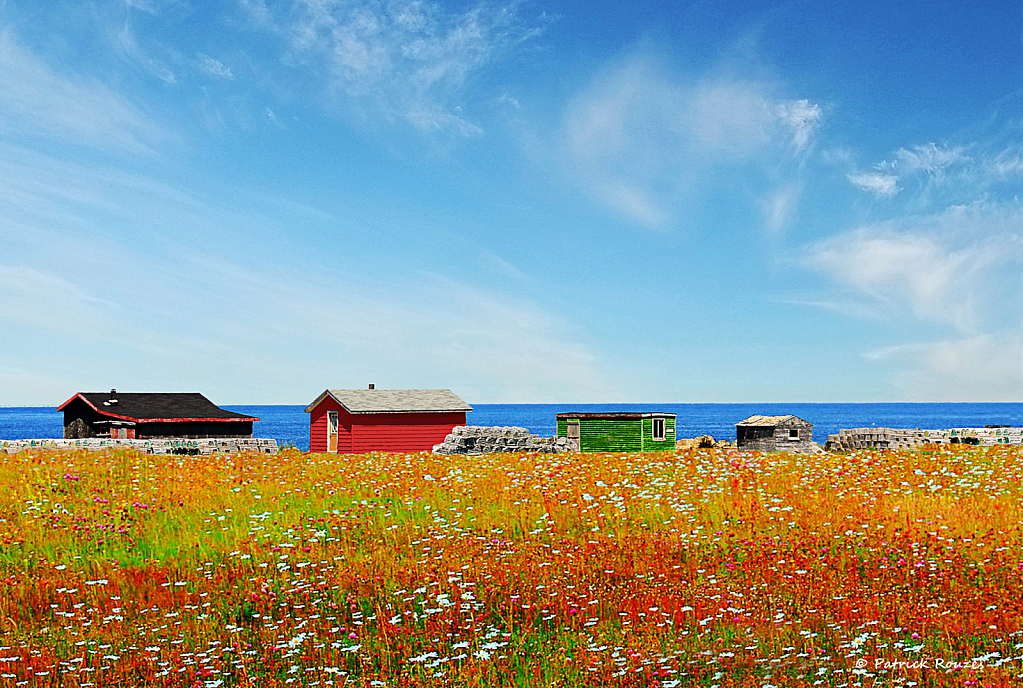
[{"x": 354, "y": 421}]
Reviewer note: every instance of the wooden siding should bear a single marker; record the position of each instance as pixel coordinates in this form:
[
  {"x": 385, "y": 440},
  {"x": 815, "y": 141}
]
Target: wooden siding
[
  {"x": 318, "y": 427},
  {"x": 620, "y": 434},
  {"x": 193, "y": 429},
  {"x": 772, "y": 438},
  {"x": 400, "y": 432},
  {"x": 389, "y": 432},
  {"x": 650, "y": 444},
  {"x": 317, "y": 431}
]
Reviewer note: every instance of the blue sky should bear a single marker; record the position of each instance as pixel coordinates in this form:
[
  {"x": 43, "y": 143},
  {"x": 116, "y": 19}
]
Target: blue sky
[{"x": 522, "y": 202}]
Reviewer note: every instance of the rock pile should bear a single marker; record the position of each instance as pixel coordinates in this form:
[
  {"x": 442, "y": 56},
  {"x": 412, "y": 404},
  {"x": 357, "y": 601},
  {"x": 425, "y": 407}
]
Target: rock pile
[
  {"x": 476, "y": 439},
  {"x": 701, "y": 442}
]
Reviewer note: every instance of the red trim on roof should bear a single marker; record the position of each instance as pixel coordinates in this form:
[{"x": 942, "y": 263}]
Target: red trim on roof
[
  {"x": 76, "y": 396},
  {"x": 244, "y": 419}
]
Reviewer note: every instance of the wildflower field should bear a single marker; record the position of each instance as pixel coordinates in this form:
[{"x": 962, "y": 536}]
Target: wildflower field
[{"x": 700, "y": 568}]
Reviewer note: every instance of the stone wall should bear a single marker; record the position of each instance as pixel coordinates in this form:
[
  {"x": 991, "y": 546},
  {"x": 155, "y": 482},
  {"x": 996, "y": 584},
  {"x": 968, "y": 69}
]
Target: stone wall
[
  {"x": 897, "y": 438},
  {"x": 475, "y": 439},
  {"x": 212, "y": 445}
]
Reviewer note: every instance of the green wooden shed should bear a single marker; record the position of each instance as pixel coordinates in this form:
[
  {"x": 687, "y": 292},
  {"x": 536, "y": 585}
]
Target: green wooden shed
[{"x": 619, "y": 432}]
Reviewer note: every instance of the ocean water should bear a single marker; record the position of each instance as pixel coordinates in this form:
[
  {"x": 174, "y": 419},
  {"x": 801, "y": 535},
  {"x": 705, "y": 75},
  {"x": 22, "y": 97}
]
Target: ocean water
[{"x": 289, "y": 425}]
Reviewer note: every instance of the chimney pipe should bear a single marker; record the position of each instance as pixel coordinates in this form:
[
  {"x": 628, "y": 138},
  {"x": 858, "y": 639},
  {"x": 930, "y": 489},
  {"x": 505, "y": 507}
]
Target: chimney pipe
[{"x": 372, "y": 386}]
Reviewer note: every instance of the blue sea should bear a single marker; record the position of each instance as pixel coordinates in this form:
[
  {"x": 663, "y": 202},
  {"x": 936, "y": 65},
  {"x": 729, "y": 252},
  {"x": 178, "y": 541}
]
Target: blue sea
[{"x": 289, "y": 425}]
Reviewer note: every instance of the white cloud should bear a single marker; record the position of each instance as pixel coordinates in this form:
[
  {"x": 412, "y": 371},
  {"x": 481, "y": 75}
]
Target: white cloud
[
  {"x": 149, "y": 6},
  {"x": 36, "y": 102},
  {"x": 876, "y": 182},
  {"x": 929, "y": 158},
  {"x": 729, "y": 118},
  {"x": 276, "y": 329},
  {"x": 19, "y": 386},
  {"x": 134, "y": 55},
  {"x": 642, "y": 138},
  {"x": 779, "y": 209},
  {"x": 50, "y": 302},
  {"x": 935, "y": 166},
  {"x": 980, "y": 368},
  {"x": 924, "y": 272},
  {"x": 957, "y": 270},
  {"x": 1007, "y": 164},
  {"x": 213, "y": 67},
  {"x": 433, "y": 332},
  {"x": 803, "y": 117},
  {"x": 313, "y": 332},
  {"x": 409, "y": 60}
]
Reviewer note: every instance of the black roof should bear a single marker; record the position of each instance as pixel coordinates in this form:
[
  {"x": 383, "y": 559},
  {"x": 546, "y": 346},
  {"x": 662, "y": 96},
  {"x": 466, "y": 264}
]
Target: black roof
[{"x": 153, "y": 406}]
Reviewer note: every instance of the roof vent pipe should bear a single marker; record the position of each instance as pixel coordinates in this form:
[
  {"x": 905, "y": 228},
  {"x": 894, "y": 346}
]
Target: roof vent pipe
[{"x": 372, "y": 386}]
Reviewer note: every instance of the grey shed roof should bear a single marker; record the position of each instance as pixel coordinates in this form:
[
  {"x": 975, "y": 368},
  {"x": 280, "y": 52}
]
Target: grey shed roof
[
  {"x": 358, "y": 401},
  {"x": 774, "y": 420}
]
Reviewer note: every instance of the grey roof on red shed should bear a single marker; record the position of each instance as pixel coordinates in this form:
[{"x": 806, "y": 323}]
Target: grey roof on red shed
[
  {"x": 358, "y": 401},
  {"x": 157, "y": 406}
]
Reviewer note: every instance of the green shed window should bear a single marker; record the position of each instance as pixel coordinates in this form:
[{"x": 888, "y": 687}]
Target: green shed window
[
  {"x": 657, "y": 428},
  {"x": 572, "y": 429}
]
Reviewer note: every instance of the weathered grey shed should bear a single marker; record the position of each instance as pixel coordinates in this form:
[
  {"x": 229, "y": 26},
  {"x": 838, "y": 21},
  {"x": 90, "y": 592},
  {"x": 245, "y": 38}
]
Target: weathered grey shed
[{"x": 775, "y": 433}]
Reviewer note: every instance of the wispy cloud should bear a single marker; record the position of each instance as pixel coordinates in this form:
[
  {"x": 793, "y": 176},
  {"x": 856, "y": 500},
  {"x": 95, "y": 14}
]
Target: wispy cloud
[
  {"x": 213, "y": 67},
  {"x": 134, "y": 55},
  {"x": 929, "y": 158},
  {"x": 49, "y": 302},
  {"x": 941, "y": 173},
  {"x": 959, "y": 270},
  {"x": 980, "y": 368},
  {"x": 37, "y": 102},
  {"x": 315, "y": 328},
  {"x": 954, "y": 267},
  {"x": 150, "y": 6},
  {"x": 779, "y": 208},
  {"x": 641, "y": 137},
  {"x": 877, "y": 183},
  {"x": 803, "y": 117},
  {"x": 409, "y": 60}
]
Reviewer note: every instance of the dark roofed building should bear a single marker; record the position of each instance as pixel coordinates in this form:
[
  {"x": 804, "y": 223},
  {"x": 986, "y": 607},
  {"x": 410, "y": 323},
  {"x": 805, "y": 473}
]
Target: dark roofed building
[
  {"x": 354, "y": 421},
  {"x": 138, "y": 415},
  {"x": 775, "y": 433}
]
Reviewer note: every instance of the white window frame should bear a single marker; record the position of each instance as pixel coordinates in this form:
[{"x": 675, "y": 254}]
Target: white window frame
[
  {"x": 332, "y": 422},
  {"x": 653, "y": 429}
]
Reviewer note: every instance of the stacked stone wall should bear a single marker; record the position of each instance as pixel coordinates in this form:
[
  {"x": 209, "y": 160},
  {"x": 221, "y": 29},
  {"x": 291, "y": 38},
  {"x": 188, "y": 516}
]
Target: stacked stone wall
[
  {"x": 476, "y": 439},
  {"x": 203, "y": 446},
  {"x": 897, "y": 438}
]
